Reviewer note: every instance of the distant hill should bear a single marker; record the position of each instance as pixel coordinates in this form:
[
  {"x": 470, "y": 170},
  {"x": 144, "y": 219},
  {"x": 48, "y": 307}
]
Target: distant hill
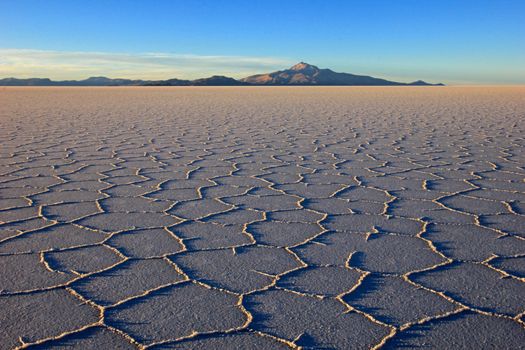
[
  {"x": 27, "y": 82},
  {"x": 299, "y": 74},
  {"x": 307, "y": 74},
  {"x": 217, "y": 80},
  {"x": 93, "y": 81},
  {"x": 169, "y": 82}
]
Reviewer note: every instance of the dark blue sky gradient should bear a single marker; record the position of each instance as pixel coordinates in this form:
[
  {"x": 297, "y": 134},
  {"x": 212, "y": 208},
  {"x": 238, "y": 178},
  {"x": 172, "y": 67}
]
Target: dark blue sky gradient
[{"x": 439, "y": 40}]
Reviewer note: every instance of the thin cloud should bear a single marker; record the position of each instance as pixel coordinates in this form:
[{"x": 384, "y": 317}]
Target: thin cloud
[{"x": 24, "y": 63}]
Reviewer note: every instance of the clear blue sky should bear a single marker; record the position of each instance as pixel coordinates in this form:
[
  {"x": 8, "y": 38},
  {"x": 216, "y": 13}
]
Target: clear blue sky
[{"x": 454, "y": 41}]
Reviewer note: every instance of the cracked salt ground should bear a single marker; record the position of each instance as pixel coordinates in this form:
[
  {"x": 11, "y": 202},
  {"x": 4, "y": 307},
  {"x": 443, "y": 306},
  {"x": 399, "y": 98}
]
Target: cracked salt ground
[{"x": 212, "y": 218}]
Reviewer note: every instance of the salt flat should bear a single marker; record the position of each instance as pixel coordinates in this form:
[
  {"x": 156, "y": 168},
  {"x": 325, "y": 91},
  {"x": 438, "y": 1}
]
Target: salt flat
[{"x": 262, "y": 217}]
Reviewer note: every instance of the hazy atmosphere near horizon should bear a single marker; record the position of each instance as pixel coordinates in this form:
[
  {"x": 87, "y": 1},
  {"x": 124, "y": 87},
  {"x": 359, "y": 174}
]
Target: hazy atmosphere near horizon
[{"x": 262, "y": 175}]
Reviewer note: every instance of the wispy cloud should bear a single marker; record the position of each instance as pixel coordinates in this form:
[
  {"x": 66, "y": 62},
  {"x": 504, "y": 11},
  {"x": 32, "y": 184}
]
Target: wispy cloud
[{"x": 25, "y": 63}]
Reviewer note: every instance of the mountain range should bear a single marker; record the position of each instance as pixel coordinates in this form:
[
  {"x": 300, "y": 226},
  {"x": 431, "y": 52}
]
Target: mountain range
[{"x": 299, "y": 74}]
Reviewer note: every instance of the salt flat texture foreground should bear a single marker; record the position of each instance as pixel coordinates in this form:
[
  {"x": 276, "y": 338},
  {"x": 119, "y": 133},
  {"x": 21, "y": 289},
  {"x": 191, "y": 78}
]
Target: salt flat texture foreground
[{"x": 262, "y": 218}]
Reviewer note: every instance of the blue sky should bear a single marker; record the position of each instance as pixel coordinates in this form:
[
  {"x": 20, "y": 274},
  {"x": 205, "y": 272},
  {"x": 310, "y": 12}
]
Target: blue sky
[{"x": 453, "y": 41}]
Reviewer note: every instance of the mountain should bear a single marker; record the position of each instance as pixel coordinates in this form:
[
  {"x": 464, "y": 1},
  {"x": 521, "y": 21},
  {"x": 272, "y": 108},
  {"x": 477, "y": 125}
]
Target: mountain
[
  {"x": 299, "y": 74},
  {"x": 169, "y": 82},
  {"x": 93, "y": 81},
  {"x": 424, "y": 83},
  {"x": 306, "y": 74},
  {"x": 26, "y": 82},
  {"x": 101, "y": 81},
  {"x": 217, "y": 80}
]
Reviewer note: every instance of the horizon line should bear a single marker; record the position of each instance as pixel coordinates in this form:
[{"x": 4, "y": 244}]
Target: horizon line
[{"x": 81, "y": 65}]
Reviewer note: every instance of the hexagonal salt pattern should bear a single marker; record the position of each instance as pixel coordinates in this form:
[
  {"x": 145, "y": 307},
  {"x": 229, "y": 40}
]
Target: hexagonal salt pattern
[{"x": 264, "y": 218}]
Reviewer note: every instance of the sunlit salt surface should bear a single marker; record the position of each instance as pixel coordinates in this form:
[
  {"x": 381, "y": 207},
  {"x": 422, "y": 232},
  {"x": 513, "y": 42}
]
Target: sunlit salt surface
[{"x": 262, "y": 217}]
